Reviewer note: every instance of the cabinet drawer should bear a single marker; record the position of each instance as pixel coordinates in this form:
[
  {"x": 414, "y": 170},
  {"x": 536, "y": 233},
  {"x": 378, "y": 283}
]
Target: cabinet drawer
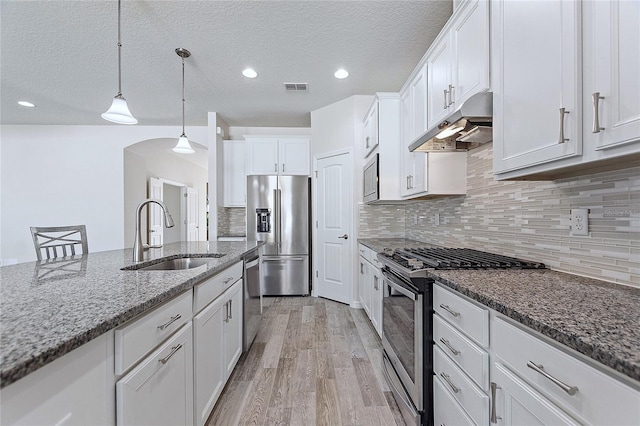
[
  {"x": 446, "y": 410},
  {"x": 472, "y": 399},
  {"x": 469, "y": 356},
  {"x": 599, "y": 399},
  {"x": 207, "y": 291},
  {"x": 159, "y": 391},
  {"x": 468, "y": 317},
  {"x": 137, "y": 338}
]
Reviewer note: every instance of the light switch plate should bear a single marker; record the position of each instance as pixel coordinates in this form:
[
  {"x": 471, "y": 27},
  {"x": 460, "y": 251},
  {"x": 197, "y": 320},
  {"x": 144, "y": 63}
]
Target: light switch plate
[{"x": 580, "y": 222}]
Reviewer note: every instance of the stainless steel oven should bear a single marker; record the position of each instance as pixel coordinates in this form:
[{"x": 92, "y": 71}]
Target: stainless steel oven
[{"x": 406, "y": 340}]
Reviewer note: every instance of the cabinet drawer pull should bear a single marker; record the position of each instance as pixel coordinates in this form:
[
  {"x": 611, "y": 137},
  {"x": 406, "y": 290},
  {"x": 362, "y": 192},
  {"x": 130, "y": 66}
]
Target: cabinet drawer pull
[
  {"x": 168, "y": 323},
  {"x": 448, "y": 345},
  {"x": 596, "y": 114},
  {"x": 494, "y": 417},
  {"x": 173, "y": 351},
  {"x": 227, "y": 280},
  {"x": 447, "y": 379},
  {"x": 448, "y": 309},
  {"x": 562, "y": 139},
  {"x": 538, "y": 368}
]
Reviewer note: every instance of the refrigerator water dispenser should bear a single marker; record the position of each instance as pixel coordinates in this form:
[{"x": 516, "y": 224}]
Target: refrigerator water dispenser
[{"x": 263, "y": 219}]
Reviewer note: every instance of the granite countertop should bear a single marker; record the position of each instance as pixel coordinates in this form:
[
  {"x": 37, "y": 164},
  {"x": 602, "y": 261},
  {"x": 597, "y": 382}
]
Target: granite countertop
[
  {"x": 47, "y": 309},
  {"x": 595, "y": 318}
]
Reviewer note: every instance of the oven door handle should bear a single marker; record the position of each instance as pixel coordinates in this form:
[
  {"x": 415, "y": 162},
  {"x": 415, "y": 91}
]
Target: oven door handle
[{"x": 393, "y": 283}]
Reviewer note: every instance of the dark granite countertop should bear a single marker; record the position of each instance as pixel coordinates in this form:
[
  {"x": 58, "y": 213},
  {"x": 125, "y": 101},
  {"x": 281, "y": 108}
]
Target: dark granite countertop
[
  {"x": 47, "y": 309},
  {"x": 595, "y": 318}
]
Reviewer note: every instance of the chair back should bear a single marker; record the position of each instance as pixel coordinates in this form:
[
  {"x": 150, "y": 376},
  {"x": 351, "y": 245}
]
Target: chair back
[{"x": 59, "y": 241}]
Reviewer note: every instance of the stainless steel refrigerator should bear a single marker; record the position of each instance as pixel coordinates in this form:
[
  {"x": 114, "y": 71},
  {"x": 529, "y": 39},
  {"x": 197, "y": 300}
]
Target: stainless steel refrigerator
[{"x": 278, "y": 213}]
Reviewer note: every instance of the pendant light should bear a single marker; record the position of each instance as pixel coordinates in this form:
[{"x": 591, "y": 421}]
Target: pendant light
[
  {"x": 183, "y": 146},
  {"x": 119, "y": 111}
]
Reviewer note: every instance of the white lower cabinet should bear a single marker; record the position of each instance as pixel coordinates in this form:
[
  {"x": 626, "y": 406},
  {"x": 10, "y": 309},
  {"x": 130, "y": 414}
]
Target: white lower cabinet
[
  {"x": 218, "y": 346},
  {"x": 159, "y": 390},
  {"x": 370, "y": 287},
  {"x": 516, "y": 403},
  {"x": 75, "y": 389},
  {"x": 518, "y": 377}
]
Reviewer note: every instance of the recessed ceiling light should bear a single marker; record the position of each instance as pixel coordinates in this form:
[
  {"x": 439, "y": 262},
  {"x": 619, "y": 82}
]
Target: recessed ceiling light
[
  {"x": 341, "y": 73},
  {"x": 249, "y": 73},
  {"x": 26, "y": 104}
]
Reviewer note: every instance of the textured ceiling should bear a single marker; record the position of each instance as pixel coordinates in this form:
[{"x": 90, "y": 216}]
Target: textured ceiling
[{"x": 62, "y": 56}]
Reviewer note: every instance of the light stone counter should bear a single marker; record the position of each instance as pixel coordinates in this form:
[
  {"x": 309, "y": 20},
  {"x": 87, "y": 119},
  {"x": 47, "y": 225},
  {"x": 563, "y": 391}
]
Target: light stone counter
[{"x": 47, "y": 309}]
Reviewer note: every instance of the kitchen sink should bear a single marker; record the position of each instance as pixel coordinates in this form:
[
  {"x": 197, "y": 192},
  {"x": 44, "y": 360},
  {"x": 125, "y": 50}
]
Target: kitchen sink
[{"x": 176, "y": 264}]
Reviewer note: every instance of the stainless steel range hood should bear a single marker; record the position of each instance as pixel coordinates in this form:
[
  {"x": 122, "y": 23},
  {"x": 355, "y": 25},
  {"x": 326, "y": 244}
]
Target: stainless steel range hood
[{"x": 467, "y": 128}]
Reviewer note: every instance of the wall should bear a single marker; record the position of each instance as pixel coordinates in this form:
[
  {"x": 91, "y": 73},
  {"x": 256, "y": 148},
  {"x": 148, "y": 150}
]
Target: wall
[
  {"x": 66, "y": 175},
  {"x": 531, "y": 219}
]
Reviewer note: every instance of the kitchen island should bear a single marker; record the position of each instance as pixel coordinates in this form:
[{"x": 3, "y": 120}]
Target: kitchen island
[
  {"x": 48, "y": 309},
  {"x": 599, "y": 320}
]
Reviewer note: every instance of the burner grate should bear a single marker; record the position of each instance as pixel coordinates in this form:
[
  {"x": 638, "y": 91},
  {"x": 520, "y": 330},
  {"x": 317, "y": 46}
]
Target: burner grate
[{"x": 460, "y": 258}]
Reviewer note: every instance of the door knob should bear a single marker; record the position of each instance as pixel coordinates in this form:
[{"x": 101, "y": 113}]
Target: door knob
[{"x": 344, "y": 237}]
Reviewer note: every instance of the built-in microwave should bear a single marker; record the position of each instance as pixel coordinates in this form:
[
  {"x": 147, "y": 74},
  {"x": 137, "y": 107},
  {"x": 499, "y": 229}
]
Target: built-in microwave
[{"x": 371, "y": 188}]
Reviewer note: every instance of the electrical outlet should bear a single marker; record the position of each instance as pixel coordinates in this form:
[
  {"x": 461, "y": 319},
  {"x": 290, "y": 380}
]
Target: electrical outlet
[
  {"x": 580, "y": 222},
  {"x": 436, "y": 219}
]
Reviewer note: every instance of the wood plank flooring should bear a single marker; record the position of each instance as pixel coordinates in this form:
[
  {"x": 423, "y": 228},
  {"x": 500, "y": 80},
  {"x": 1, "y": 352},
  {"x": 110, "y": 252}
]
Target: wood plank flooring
[{"x": 313, "y": 362}]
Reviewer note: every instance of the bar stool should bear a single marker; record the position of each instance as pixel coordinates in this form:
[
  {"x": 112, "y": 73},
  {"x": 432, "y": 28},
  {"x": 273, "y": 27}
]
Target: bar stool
[{"x": 59, "y": 241}]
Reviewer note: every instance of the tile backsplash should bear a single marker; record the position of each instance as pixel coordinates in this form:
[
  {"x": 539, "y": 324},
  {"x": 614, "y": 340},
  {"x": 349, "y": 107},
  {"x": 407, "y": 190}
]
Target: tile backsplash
[
  {"x": 232, "y": 221},
  {"x": 529, "y": 219}
]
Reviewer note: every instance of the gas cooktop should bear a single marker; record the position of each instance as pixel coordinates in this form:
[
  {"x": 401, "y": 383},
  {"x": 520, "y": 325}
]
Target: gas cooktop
[{"x": 417, "y": 259}]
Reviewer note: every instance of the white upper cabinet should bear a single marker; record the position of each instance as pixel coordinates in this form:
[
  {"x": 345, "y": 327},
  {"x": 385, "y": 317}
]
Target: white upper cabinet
[
  {"x": 537, "y": 94},
  {"x": 566, "y": 86},
  {"x": 370, "y": 133},
  {"x": 235, "y": 178},
  {"x": 277, "y": 155},
  {"x": 458, "y": 61},
  {"x": 422, "y": 174},
  {"x": 612, "y": 73}
]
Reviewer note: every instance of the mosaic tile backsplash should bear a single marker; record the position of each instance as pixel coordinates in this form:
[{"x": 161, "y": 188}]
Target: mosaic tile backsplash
[
  {"x": 232, "y": 221},
  {"x": 530, "y": 220}
]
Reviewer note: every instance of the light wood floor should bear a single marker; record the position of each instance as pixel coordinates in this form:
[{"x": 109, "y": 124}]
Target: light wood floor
[{"x": 313, "y": 362}]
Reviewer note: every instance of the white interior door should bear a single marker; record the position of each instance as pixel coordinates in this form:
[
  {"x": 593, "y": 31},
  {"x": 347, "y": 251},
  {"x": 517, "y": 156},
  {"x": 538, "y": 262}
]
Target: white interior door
[
  {"x": 191, "y": 213},
  {"x": 155, "y": 236},
  {"x": 334, "y": 205}
]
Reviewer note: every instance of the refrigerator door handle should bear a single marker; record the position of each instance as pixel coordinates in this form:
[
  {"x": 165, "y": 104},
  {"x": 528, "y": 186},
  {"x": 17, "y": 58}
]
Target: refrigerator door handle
[
  {"x": 279, "y": 217},
  {"x": 281, "y": 259}
]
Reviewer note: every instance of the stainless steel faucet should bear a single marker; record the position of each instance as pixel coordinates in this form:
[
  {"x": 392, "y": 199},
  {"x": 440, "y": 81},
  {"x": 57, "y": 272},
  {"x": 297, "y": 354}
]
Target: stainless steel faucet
[{"x": 138, "y": 248}]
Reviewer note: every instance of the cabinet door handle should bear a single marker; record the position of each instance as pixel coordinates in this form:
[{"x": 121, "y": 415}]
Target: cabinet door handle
[
  {"x": 445, "y": 99},
  {"x": 448, "y": 345},
  {"x": 494, "y": 417},
  {"x": 562, "y": 139},
  {"x": 375, "y": 283},
  {"x": 226, "y": 312},
  {"x": 282, "y": 167},
  {"x": 447, "y": 379},
  {"x": 451, "y": 87},
  {"x": 168, "y": 323},
  {"x": 230, "y": 309},
  {"x": 174, "y": 349},
  {"x": 448, "y": 309},
  {"x": 366, "y": 142},
  {"x": 407, "y": 182},
  {"x": 571, "y": 390},
  {"x": 596, "y": 114},
  {"x": 275, "y": 167}
]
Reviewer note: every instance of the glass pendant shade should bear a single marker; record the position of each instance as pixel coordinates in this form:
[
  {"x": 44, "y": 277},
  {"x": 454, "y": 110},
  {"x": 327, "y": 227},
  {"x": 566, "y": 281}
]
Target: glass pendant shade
[
  {"x": 119, "y": 112},
  {"x": 183, "y": 146}
]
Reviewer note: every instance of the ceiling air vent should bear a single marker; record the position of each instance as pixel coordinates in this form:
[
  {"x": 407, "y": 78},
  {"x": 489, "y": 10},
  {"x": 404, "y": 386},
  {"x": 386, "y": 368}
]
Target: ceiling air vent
[{"x": 296, "y": 87}]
